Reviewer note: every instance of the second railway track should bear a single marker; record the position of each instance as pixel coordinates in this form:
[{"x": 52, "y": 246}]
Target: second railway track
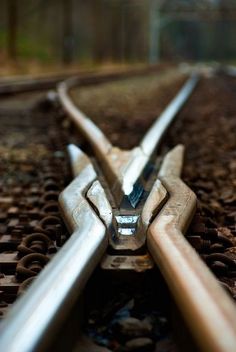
[{"x": 129, "y": 213}]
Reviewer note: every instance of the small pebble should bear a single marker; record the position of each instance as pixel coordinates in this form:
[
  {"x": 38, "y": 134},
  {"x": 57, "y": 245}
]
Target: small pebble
[
  {"x": 134, "y": 327},
  {"x": 141, "y": 344}
]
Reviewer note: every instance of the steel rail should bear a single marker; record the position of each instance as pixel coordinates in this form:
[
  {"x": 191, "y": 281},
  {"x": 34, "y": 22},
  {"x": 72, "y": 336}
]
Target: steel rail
[
  {"x": 121, "y": 167},
  {"x": 20, "y": 84},
  {"x": 38, "y": 313},
  {"x": 208, "y": 310}
]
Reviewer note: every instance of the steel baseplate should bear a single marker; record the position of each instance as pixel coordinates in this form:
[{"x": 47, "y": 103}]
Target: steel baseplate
[
  {"x": 179, "y": 201},
  {"x": 137, "y": 263},
  {"x": 126, "y": 228}
]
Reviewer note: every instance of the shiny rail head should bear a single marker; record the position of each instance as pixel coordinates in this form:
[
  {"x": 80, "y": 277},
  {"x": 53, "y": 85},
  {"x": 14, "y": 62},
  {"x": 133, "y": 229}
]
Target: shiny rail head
[
  {"x": 97, "y": 196},
  {"x": 173, "y": 162},
  {"x": 181, "y": 204},
  {"x": 36, "y": 314},
  {"x": 78, "y": 159},
  {"x": 72, "y": 265},
  {"x": 123, "y": 168},
  {"x": 156, "y": 198},
  {"x": 154, "y": 135},
  {"x": 86, "y": 126},
  {"x": 208, "y": 311}
]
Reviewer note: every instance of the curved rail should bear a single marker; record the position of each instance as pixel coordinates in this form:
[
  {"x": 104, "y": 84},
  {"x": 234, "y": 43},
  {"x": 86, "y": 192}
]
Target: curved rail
[
  {"x": 208, "y": 310},
  {"x": 121, "y": 167},
  {"x": 205, "y": 306},
  {"x": 37, "y": 313},
  {"x": 20, "y": 84}
]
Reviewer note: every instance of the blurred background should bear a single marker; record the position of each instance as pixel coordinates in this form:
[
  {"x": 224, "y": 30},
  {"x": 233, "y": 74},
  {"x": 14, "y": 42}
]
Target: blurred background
[{"x": 38, "y": 35}]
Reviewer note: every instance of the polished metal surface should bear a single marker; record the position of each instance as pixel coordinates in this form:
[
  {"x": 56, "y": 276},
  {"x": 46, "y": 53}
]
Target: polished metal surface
[
  {"x": 154, "y": 135},
  {"x": 206, "y": 307},
  {"x": 90, "y": 218},
  {"x": 156, "y": 198},
  {"x": 123, "y": 168},
  {"x": 98, "y": 198},
  {"x": 36, "y": 314}
]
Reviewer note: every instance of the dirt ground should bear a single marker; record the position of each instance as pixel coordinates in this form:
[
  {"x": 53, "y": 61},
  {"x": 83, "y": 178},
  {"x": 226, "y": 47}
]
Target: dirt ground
[{"x": 128, "y": 107}]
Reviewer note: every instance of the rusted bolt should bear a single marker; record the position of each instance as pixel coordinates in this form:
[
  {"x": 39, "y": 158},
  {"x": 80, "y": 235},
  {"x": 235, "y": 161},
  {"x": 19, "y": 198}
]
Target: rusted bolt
[
  {"x": 217, "y": 247},
  {"x": 31, "y": 264},
  {"x": 50, "y": 196},
  {"x": 49, "y": 225},
  {"x": 51, "y": 208},
  {"x": 50, "y": 186},
  {"x": 227, "y": 242},
  {"x": 220, "y": 257},
  {"x": 50, "y": 221},
  {"x": 51, "y": 176},
  {"x": 37, "y": 242},
  {"x": 219, "y": 268}
]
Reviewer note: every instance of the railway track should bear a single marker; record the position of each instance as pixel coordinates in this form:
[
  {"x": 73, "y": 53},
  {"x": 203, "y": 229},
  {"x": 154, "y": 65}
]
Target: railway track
[
  {"x": 21, "y": 84},
  {"x": 123, "y": 213}
]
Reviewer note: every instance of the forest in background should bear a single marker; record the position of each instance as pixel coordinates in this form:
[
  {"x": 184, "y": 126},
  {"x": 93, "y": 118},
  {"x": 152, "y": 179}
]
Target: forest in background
[{"x": 119, "y": 31}]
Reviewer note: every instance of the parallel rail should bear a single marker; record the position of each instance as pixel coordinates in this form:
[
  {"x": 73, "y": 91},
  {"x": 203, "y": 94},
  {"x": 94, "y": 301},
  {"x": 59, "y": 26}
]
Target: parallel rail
[
  {"x": 18, "y": 84},
  {"x": 207, "y": 309}
]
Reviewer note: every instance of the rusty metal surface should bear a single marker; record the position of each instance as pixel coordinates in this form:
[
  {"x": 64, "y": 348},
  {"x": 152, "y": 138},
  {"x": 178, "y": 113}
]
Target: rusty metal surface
[{"x": 138, "y": 263}]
